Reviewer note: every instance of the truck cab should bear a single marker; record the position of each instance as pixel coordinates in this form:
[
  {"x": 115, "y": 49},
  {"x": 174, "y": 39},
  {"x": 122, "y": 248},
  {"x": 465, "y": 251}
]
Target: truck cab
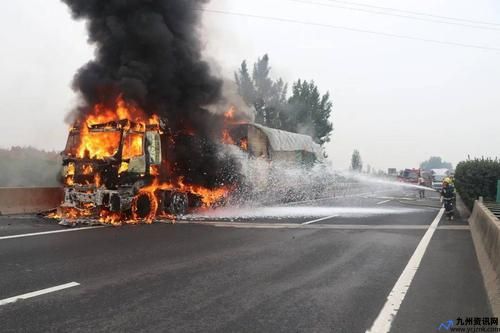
[
  {"x": 438, "y": 175},
  {"x": 409, "y": 176},
  {"x": 108, "y": 167}
]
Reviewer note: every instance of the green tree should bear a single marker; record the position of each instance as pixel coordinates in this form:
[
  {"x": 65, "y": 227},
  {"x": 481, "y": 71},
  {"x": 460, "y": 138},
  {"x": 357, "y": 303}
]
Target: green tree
[
  {"x": 245, "y": 84},
  {"x": 27, "y": 167},
  {"x": 356, "y": 162},
  {"x": 309, "y": 112},
  {"x": 277, "y": 104},
  {"x": 435, "y": 162},
  {"x": 268, "y": 97},
  {"x": 306, "y": 111},
  {"x": 263, "y": 85}
]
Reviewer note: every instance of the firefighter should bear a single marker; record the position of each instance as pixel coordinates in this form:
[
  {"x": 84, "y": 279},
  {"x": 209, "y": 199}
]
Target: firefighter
[
  {"x": 448, "y": 198},
  {"x": 421, "y": 190}
]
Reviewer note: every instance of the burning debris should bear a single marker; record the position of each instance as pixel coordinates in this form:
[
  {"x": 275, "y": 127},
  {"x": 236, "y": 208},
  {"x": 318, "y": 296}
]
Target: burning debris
[{"x": 142, "y": 144}]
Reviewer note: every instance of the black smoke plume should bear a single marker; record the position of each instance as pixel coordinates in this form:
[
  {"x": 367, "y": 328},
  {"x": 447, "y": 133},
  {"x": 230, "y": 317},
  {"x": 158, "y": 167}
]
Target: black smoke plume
[{"x": 149, "y": 52}]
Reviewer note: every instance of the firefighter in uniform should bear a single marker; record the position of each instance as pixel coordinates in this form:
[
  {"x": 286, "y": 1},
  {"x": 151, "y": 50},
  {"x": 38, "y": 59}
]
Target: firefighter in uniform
[{"x": 448, "y": 198}]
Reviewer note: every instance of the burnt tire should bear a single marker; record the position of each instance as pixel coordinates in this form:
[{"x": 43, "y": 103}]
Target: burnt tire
[
  {"x": 143, "y": 207},
  {"x": 177, "y": 203}
]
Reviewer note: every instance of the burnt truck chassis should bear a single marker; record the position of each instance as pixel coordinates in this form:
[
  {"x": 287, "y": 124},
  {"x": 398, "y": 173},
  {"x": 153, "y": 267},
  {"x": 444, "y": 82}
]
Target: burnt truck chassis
[
  {"x": 120, "y": 192},
  {"x": 91, "y": 201}
]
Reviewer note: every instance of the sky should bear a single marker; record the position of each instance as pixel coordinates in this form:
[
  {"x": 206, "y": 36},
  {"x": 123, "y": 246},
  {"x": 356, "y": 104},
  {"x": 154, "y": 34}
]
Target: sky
[{"x": 397, "y": 100}]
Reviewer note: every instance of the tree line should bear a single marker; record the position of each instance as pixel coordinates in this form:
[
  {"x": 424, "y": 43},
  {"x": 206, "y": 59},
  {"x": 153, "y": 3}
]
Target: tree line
[
  {"x": 435, "y": 162},
  {"x": 305, "y": 111},
  {"x": 29, "y": 167}
]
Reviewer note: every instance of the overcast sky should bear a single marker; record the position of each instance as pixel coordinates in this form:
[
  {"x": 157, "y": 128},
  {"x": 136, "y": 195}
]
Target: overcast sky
[{"x": 397, "y": 101}]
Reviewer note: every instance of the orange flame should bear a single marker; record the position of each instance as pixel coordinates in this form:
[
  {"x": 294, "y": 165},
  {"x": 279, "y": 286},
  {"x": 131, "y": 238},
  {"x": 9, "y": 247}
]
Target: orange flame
[
  {"x": 150, "y": 193},
  {"x": 87, "y": 169},
  {"x": 97, "y": 145},
  {"x": 112, "y": 218},
  {"x": 244, "y": 144},
  {"x": 132, "y": 145},
  {"x": 208, "y": 196},
  {"x": 104, "y": 143},
  {"x": 229, "y": 114},
  {"x": 154, "y": 170},
  {"x": 99, "y": 137},
  {"x": 226, "y": 137}
]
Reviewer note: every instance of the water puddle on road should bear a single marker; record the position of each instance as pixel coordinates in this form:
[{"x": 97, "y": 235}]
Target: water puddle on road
[{"x": 281, "y": 212}]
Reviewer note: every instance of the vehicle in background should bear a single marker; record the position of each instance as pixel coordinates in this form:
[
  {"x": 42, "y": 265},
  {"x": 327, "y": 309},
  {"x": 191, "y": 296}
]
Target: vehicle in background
[
  {"x": 427, "y": 176},
  {"x": 438, "y": 175},
  {"x": 409, "y": 176},
  {"x": 392, "y": 172}
]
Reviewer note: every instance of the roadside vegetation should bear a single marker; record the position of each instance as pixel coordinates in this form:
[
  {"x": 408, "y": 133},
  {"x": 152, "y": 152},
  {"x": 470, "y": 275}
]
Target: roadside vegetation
[
  {"x": 305, "y": 111},
  {"x": 356, "y": 162},
  {"x": 29, "y": 167},
  {"x": 477, "y": 177},
  {"x": 435, "y": 162}
]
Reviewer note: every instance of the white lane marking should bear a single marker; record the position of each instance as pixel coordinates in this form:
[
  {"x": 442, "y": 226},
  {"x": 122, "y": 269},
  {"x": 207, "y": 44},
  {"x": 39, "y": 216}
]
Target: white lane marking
[
  {"x": 336, "y": 197},
  {"x": 49, "y": 232},
  {"x": 319, "y": 226},
  {"x": 383, "y": 322},
  {"x": 396, "y": 198},
  {"x": 260, "y": 225},
  {"x": 319, "y": 220},
  {"x": 454, "y": 227},
  {"x": 383, "y": 202},
  {"x": 38, "y": 293}
]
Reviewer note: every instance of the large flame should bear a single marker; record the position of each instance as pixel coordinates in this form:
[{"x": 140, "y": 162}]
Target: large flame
[
  {"x": 104, "y": 142},
  {"x": 209, "y": 197},
  {"x": 97, "y": 145}
]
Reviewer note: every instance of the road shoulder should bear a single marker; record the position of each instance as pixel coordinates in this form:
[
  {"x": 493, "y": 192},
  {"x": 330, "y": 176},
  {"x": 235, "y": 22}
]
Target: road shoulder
[{"x": 448, "y": 285}]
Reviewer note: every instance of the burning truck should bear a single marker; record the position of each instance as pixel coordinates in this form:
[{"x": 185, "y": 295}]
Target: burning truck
[
  {"x": 143, "y": 142},
  {"x": 116, "y": 168}
]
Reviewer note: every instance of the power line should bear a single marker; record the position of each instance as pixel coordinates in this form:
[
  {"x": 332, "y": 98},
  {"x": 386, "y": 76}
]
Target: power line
[
  {"x": 339, "y": 27},
  {"x": 414, "y": 12},
  {"x": 371, "y": 11}
]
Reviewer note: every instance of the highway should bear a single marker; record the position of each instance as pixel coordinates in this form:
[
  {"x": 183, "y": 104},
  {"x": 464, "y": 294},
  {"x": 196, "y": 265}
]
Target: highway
[{"x": 333, "y": 265}]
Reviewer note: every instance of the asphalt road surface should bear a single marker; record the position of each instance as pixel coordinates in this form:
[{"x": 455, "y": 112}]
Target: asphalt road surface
[{"x": 335, "y": 265}]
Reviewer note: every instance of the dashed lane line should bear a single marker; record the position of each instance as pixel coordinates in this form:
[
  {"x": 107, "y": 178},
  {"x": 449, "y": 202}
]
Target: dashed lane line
[
  {"x": 383, "y": 322},
  {"x": 38, "y": 293},
  {"x": 337, "y": 197},
  {"x": 383, "y": 202},
  {"x": 319, "y": 220}
]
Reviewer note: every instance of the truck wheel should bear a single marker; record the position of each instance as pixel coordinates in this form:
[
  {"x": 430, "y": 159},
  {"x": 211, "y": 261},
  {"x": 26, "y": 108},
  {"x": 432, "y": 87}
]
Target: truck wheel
[
  {"x": 144, "y": 207},
  {"x": 178, "y": 203},
  {"x": 115, "y": 203}
]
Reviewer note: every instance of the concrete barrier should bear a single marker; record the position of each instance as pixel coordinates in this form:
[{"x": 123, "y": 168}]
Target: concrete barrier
[
  {"x": 29, "y": 200},
  {"x": 485, "y": 229}
]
